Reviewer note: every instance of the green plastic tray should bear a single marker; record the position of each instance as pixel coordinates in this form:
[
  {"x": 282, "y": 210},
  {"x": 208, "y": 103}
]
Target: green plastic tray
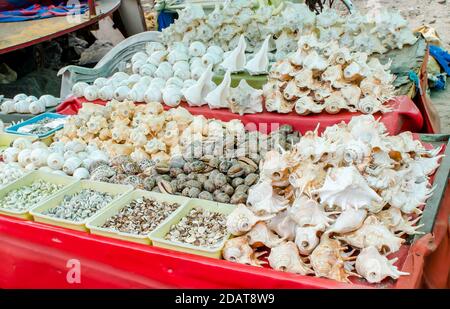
[
  {"x": 113, "y": 189},
  {"x": 27, "y": 180},
  {"x": 256, "y": 81},
  {"x": 6, "y": 139},
  {"x": 157, "y": 236}
]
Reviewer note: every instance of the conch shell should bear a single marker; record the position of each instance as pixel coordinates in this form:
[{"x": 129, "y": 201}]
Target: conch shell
[
  {"x": 263, "y": 200},
  {"x": 375, "y": 267},
  {"x": 397, "y": 222},
  {"x": 306, "y": 239},
  {"x": 285, "y": 257},
  {"x": 283, "y": 225},
  {"x": 242, "y": 220},
  {"x": 307, "y": 212},
  {"x": 218, "y": 98},
  {"x": 196, "y": 94},
  {"x": 373, "y": 233},
  {"x": 345, "y": 187},
  {"x": 348, "y": 221},
  {"x": 238, "y": 250},
  {"x": 235, "y": 60},
  {"x": 261, "y": 235},
  {"x": 260, "y": 61},
  {"x": 328, "y": 260}
]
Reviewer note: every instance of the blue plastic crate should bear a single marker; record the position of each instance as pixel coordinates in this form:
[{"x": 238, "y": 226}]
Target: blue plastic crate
[{"x": 14, "y": 129}]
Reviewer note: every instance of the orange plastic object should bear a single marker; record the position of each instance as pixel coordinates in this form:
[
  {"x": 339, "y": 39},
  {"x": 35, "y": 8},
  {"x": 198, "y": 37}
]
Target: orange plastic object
[{"x": 405, "y": 117}]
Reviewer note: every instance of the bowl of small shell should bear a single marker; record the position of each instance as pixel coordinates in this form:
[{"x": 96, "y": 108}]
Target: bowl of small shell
[
  {"x": 75, "y": 206},
  {"x": 198, "y": 228},
  {"x": 20, "y": 196},
  {"x": 135, "y": 215}
]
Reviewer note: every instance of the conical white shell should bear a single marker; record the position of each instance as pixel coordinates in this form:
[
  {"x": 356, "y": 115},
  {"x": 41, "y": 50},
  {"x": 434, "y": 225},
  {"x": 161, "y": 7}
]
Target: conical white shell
[
  {"x": 259, "y": 64},
  {"x": 196, "y": 94},
  {"x": 218, "y": 98},
  {"x": 235, "y": 61}
]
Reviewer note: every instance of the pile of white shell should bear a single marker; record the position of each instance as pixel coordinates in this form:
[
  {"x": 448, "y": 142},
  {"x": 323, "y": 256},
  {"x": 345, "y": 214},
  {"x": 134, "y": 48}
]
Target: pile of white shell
[
  {"x": 341, "y": 200},
  {"x": 23, "y": 104},
  {"x": 10, "y": 172},
  {"x": 376, "y": 32},
  {"x": 73, "y": 158},
  {"x": 322, "y": 76}
]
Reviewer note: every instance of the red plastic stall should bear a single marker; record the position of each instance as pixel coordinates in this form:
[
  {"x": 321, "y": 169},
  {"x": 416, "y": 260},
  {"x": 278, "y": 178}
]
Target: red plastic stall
[{"x": 405, "y": 116}]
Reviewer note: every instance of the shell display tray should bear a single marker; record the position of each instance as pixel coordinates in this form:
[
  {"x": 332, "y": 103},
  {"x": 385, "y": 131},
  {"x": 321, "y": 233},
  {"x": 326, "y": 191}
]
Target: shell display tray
[
  {"x": 6, "y": 139},
  {"x": 14, "y": 129},
  {"x": 27, "y": 180},
  {"x": 95, "y": 223},
  {"x": 157, "y": 236},
  {"x": 113, "y": 189}
]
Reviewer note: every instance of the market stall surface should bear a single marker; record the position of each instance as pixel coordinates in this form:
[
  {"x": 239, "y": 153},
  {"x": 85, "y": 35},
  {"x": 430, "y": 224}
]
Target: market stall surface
[{"x": 16, "y": 35}]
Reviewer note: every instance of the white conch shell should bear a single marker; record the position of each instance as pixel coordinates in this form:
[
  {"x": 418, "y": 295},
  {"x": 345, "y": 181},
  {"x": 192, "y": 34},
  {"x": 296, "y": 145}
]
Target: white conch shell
[
  {"x": 136, "y": 94},
  {"x": 146, "y": 69},
  {"x": 375, "y": 267},
  {"x": 345, "y": 187},
  {"x": 285, "y": 257},
  {"x": 261, "y": 235},
  {"x": 106, "y": 93},
  {"x": 238, "y": 250},
  {"x": 328, "y": 260},
  {"x": 259, "y": 64},
  {"x": 306, "y": 239},
  {"x": 81, "y": 173},
  {"x": 373, "y": 233},
  {"x": 121, "y": 93},
  {"x": 39, "y": 156},
  {"x": 10, "y": 154},
  {"x": 49, "y": 100},
  {"x": 77, "y": 89},
  {"x": 235, "y": 61},
  {"x": 55, "y": 161},
  {"x": 245, "y": 99},
  {"x": 307, "y": 212},
  {"x": 153, "y": 94},
  {"x": 196, "y": 94},
  {"x": 218, "y": 98},
  {"x": 197, "y": 49},
  {"x": 164, "y": 70},
  {"x": 71, "y": 164},
  {"x": 24, "y": 157},
  {"x": 172, "y": 95},
  {"x": 8, "y": 107},
  {"x": 21, "y": 143},
  {"x": 91, "y": 93},
  {"x": 348, "y": 221},
  {"x": 314, "y": 61},
  {"x": 264, "y": 201},
  {"x": 397, "y": 222},
  {"x": 283, "y": 225},
  {"x": 242, "y": 220}
]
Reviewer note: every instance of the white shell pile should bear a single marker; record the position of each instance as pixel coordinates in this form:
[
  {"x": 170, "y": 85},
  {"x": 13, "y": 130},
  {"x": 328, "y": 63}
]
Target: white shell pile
[
  {"x": 371, "y": 33},
  {"x": 10, "y": 172},
  {"x": 73, "y": 158},
  {"x": 348, "y": 194},
  {"x": 325, "y": 77},
  {"x": 23, "y": 104}
]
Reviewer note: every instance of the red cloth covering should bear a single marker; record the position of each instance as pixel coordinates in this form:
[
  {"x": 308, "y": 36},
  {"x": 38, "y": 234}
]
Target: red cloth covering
[{"x": 405, "y": 117}]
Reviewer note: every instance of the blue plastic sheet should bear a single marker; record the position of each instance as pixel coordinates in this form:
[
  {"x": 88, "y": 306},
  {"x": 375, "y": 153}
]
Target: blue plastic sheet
[
  {"x": 165, "y": 19},
  {"x": 442, "y": 57}
]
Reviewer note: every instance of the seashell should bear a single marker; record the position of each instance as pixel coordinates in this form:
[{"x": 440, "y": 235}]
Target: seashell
[
  {"x": 136, "y": 66},
  {"x": 285, "y": 257},
  {"x": 282, "y": 70},
  {"x": 314, "y": 61},
  {"x": 345, "y": 187},
  {"x": 210, "y": 58},
  {"x": 136, "y": 94},
  {"x": 373, "y": 233},
  {"x": 238, "y": 250},
  {"x": 8, "y": 107},
  {"x": 307, "y": 212},
  {"x": 20, "y": 97},
  {"x": 21, "y": 143},
  {"x": 153, "y": 94},
  {"x": 31, "y": 167},
  {"x": 49, "y": 100},
  {"x": 375, "y": 267},
  {"x": 22, "y": 107},
  {"x": 306, "y": 239},
  {"x": 139, "y": 155},
  {"x": 164, "y": 70},
  {"x": 329, "y": 261},
  {"x": 91, "y": 93},
  {"x": 263, "y": 200},
  {"x": 397, "y": 222},
  {"x": 147, "y": 69},
  {"x": 39, "y": 156},
  {"x": 139, "y": 56},
  {"x": 55, "y": 161},
  {"x": 351, "y": 94},
  {"x": 196, "y": 72},
  {"x": 371, "y": 105},
  {"x": 151, "y": 47},
  {"x": 77, "y": 89},
  {"x": 261, "y": 235},
  {"x": 172, "y": 95},
  {"x": 259, "y": 64},
  {"x": 81, "y": 173},
  {"x": 70, "y": 165},
  {"x": 100, "y": 82},
  {"x": 197, "y": 49},
  {"x": 121, "y": 93},
  {"x": 244, "y": 99},
  {"x": 242, "y": 220},
  {"x": 175, "y": 81},
  {"x": 24, "y": 157},
  {"x": 106, "y": 93},
  {"x": 283, "y": 225},
  {"x": 182, "y": 74},
  {"x": 177, "y": 55},
  {"x": 235, "y": 61},
  {"x": 348, "y": 221},
  {"x": 157, "y": 57},
  {"x": 218, "y": 98},
  {"x": 195, "y": 95}
]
